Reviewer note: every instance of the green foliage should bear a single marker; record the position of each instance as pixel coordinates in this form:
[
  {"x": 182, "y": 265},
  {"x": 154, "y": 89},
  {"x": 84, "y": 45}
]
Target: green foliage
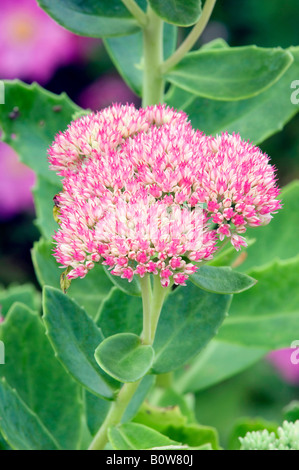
[
  {"x": 120, "y": 313},
  {"x": 222, "y": 280},
  {"x": 124, "y": 357},
  {"x": 94, "y": 18},
  {"x": 133, "y": 436},
  {"x": 269, "y": 316},
  {"x": 44, "y": 396},
  {"x": 255, "y": 118},
  {"x": 74, "y": 337},
  {"x": 172, "y": 423},
  {"x": 278, "y": 239},
  {"x": 179, "y": 12},
  {"x": 19, "y": 425},
  {"x": 230, "y": 73},
  {"x": 190, "y": 318},
  {"x": 216, "y": 363},
  {"x": 38, "y": 116},
  {"x": 97, "y": 409},
  {"x": 44, "y": 192},
  {"x": 243, "y": 426},
  {"x": 89, "y": 292},
  {"x": 291, "y": 411},
  {"x": 25, "y": 294}
]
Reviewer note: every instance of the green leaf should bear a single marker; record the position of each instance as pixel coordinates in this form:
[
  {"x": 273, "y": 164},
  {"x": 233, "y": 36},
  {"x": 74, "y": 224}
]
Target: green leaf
[
  {"x": 20, "y": 427},
  {"x": 30, "y": 118},
  {"x": 267, "y": 317},
  {"x": 74, "y": 337},
  {"x": 230, "y": 73},
  {"x": 124, "y": 357},
  {"x": 97, "y": 409},
  {"x": 133, "y": 436},
  {"x": 291, "y": 411},
  {"x": 216, "y": 363},
  {"x": 274, "y": 332},
  {"x": 230, "y": 256},
  {"x": 94, "y": 18},
  {"x": 25, "y": 294},
  {"x": 41, "y": 382},
  {"x": 222, "y": 280},
  {"x": 130, "y": 288},
  {"x": 178, "y": 12},
  {"x": 127, "y": 55},
  {"x": 89, "y": 292},
  {"x": 159, "y": 418},
  {"x": 169, "y": 397},
  {"x": 120, "y": 313},
  {"x": 255, "y": 119},
  {"x": 190, "y": 318},
  {"x": 44, "y": 192},
  {"x": 171, "y": 423},
  {"x": 276, "y": 292},
  {"x": 278, "y": 239},
  {"x": 245, "y": 425}
]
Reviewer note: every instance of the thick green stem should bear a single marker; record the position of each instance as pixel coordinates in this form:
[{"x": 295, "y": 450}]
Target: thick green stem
[
  {"x": 191, "y": 39},
  {"x": 115, "y": 415},
  {"x": 146, "y": 290},
  {"x": 159, "y": 295},
  {"x": 153, "y": 82}
]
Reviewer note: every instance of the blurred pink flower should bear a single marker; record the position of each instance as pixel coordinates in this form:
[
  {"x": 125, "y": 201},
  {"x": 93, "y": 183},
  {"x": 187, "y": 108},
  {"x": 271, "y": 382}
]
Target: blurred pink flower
[
  {"x": 282, "y": 361},
  {"x": 32, "y": 45},
  {"x": 107, "y": 90},
  {"x": 16, "y": 181}
]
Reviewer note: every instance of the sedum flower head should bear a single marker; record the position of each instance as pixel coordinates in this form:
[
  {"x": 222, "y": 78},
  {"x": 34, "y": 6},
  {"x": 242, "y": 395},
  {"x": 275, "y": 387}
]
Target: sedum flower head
[
  {"x": 288, "y": 438},
  {"x": 143, "y": 192}
]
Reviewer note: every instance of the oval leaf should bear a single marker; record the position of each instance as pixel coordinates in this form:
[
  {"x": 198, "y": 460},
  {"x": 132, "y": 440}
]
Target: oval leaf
[
  {"x": 124, "y": 357},
  {"x": 27, "y": 369},
  {"x": 93, "y": 18},
  {"x": 255, "y": 119},
  {"x": 178, "y": 12},
  {"x": 190, "y": 318},
  {"x": 40, "y": 115},
  {"x": 230, "y": 73},
  {"x": 74, "y": 337},
  {"x": 222, "y": 280},
  {"x": 133, "y": 436},
  {"x": 19, "y": 425}
]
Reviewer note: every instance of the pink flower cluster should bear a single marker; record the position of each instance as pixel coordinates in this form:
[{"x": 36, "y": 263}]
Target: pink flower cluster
[{"x": 143, "y": 192}]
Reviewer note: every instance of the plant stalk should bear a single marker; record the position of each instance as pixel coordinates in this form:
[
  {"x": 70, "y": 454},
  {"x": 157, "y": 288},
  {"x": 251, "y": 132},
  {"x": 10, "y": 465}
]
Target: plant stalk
[{"x": 191, "y": 39}]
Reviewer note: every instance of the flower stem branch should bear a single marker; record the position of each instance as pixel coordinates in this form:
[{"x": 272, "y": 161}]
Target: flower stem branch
[
  {"x": 114, "y": 415},
  {"x": 136, "y": 11},
  {"x": 146, "y": 290},
  {"x": 159, "y": 295},
  {"x": 191, "y": 39}
]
